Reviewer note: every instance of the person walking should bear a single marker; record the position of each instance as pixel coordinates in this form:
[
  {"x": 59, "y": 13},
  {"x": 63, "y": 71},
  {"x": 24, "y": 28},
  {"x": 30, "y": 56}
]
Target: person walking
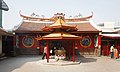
[
  {"x": 44, "y": 52},
  {"x": 112, "y": 51}
]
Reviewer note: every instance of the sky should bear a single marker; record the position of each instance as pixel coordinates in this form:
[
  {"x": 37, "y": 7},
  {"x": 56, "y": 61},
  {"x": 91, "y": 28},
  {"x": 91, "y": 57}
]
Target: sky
[{"x": 103, "y": 10}]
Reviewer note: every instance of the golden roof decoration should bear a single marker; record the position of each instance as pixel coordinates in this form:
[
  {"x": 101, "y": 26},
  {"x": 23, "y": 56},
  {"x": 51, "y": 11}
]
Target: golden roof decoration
[
  {"x": 60, "y": 24},
  {"x": 54, "y": 18}
]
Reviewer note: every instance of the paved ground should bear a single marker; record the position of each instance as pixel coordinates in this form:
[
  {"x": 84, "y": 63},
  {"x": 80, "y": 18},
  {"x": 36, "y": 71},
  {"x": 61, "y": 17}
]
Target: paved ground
[{"x": 33, "y": 63}]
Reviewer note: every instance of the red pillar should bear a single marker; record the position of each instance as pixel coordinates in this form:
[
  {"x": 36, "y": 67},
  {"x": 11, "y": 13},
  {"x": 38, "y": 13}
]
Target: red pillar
[
  {"x": 107, "y": 48},
  {"x": 99, "y": 45},
  {"x": 99, "y": 40},
  {"x": 47, "y": 51},
  {"x": 73, "y": 55}
]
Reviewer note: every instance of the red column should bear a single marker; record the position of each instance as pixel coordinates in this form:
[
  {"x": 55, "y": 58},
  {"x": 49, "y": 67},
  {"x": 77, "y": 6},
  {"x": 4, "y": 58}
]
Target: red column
[
  {"x": 107, "y": 48},
  {"x": 99, "y": 40},
  {"x": 73, "y": 55},
  {"x": 47, "y": 51},
  {"x": 99, "y": 45}
]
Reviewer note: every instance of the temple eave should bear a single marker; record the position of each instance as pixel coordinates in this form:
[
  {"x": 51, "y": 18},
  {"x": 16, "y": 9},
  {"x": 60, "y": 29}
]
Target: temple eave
[
  {"x": 69, "y": 28},
  {"x": 60, "y": 38}
]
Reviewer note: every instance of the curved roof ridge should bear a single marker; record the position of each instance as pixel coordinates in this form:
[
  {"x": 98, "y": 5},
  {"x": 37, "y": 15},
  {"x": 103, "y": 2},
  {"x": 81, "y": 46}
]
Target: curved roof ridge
[
  {"x": 53, "y": 18},
  {"x": 3, "y": 29},
  {"x": 38, "y": 21},
  {"x": 81, "y": 18},
  {"x": 17, "y": 26},
  {"x": 30, "y": 17},
  {"x": 95, "y": 26}
]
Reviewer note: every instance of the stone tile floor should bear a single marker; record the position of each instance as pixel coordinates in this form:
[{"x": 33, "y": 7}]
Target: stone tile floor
[{"x": 32, "y": 63}]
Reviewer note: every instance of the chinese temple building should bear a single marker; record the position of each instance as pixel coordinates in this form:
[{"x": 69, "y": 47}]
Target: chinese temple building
[
  {"x": 33, "y": 33},
  {"x": 110, "y": 36},
  {"x": 107, "y": 41}
]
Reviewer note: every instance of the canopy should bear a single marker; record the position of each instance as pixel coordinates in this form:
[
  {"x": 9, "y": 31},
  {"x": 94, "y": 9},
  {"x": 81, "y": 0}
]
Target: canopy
[
  {"x": 59, "y": 35},
  {"x": 111, "y": 35}
]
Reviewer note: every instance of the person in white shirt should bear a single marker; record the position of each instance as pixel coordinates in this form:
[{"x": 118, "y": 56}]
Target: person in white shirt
[
  {"x": 44, "y": 52},
  {"x": 112, "y": 51}
]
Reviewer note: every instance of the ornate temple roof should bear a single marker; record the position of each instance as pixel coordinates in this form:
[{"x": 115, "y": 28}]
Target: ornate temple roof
[
  {"x": 60, "y": 24},
  {"x": 4, "y": 32},
  {"x": 27, "y": 26},
  {"x": 54, "y": 18}
]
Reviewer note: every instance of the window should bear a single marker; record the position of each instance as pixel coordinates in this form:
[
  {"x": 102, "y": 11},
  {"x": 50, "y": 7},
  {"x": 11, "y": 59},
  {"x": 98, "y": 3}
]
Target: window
[
  {"x": 28, "y": 41},
  {"x": 86, "y": 41}
]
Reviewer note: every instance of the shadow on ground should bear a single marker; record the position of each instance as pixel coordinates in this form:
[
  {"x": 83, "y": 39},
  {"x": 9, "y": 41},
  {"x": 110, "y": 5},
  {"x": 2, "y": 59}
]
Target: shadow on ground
[
  {"x": 85, "y": 59},
  {"x": 12, "y": 63}
]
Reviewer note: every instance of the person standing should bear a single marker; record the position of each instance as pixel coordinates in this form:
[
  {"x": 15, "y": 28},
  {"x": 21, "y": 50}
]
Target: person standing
[
  {"x": 115, "y": 53},
  {"x": 44, "y": 52},
  {"x": 112, "y": 51}
]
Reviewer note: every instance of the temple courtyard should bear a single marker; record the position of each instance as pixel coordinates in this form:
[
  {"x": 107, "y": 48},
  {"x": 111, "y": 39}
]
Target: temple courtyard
[{"x": 33, "y": 63}]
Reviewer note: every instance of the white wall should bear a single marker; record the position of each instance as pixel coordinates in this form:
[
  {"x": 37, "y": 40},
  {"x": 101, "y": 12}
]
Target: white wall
[{"x": 109, "y": 24}]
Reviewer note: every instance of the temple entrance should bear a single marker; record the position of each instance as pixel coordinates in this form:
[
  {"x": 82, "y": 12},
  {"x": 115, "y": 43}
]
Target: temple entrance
[{"x": 105, "y": 46}]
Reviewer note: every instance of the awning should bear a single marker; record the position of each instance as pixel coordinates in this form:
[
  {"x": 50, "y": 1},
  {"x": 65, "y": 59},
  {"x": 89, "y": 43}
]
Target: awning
[
  {"x": 111, "y": 35},
  {"x": 60, "y": 35}
]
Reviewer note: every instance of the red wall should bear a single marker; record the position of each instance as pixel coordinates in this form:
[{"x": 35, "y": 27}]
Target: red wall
[
  {"x": 35, "y": 45},
  {"x": 77, "y": 43}
]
